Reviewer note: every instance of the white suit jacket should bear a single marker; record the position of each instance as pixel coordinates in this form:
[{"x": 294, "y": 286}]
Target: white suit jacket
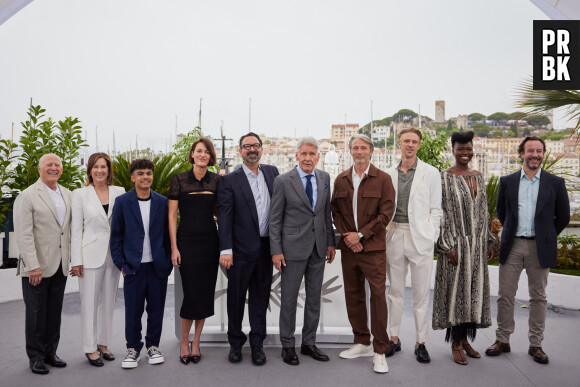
[
  {"x": 424, "y": 205},
  {"x": 43, "y": 242},
  {"x": 91, "y": 227}
]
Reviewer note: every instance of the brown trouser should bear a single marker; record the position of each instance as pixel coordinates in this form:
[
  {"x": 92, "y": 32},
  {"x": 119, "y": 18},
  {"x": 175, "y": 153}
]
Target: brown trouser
[
  {"x": 371, "y": 266},
  {"x": 523, "y": 255}
]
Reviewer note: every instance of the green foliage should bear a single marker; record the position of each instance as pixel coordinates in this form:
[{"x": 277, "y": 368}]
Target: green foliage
[
  {"x": 544, "y": 101},
  {"x": 554, "y": 137},
  {"x": 181, "y": 149},
  {"x": 41, "y": 136},
  {"x": 481, "y": 129},
  {"x": 499, "y": 116},
  {"x": 476, "y": 117},
  {"x": 491, "y": 191},
  {"x": 432, "y": 149},
  {"x": 518, "y": 116},
  {"x": 537, "y": 120},
  {"x": 568, "y": 252},
  {"x": 404, "y": 115},
  {"x": 7, "y": 148},
  {"x": 165, "y": 167},
  {"x": 366, "y": 129}
]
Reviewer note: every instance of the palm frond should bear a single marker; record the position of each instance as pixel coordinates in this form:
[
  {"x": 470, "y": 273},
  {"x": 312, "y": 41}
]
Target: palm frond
[{"x": 544, "y": 101}]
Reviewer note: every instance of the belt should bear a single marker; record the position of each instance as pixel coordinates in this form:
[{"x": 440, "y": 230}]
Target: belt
[{"x": 527, "y": 238}]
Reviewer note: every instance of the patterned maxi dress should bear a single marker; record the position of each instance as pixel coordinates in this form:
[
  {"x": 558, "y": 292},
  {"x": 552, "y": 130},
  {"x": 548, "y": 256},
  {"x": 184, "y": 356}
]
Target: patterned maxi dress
[{"x": 461, "y": 294}]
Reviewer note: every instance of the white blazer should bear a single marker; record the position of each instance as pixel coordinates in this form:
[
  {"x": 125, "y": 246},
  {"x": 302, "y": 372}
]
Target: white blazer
[
  {"x": 424, "y": 205},
  {"x": 91, "y": 227}
]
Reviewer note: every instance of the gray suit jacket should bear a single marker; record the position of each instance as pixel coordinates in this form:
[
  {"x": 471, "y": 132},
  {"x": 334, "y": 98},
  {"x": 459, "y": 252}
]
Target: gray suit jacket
[
  {"x": 42, "y": 241},
  {"x": 294, "y": 227}
]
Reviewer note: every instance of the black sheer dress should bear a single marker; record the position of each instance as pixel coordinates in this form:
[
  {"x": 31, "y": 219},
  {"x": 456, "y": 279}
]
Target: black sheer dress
[{"x": 197, "y": 241}]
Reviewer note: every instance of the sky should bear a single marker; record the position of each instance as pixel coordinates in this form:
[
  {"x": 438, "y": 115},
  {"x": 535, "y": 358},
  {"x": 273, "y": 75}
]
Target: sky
[{"x": 139, "y": 68}]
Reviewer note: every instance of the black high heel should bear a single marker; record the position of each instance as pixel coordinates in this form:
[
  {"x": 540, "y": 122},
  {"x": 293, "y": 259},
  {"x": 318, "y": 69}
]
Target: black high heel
[{"x": 106, "y": 355}]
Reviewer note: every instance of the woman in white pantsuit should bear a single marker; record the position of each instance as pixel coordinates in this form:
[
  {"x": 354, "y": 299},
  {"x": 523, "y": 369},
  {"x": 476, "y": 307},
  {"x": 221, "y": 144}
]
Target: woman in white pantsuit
[{"x": 91, "y": 260}]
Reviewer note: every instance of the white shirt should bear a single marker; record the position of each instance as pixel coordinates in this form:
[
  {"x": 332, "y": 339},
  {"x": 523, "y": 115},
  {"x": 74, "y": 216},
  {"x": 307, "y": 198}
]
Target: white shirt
[
  {"x": 59, "y": 203},
  {"x": 145, "y": 207},
  {"x": 356, "y": 179}
]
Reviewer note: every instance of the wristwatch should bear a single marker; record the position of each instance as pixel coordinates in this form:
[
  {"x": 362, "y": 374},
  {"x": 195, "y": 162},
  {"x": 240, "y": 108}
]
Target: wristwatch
[{"x": 360, "y": 235}]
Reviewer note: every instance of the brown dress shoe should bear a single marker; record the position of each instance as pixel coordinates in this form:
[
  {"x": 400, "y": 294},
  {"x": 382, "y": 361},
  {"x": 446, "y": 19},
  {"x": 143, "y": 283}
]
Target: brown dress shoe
[
  {"x": 497, "y": 348},
  {"x": 539, "y": 355}
]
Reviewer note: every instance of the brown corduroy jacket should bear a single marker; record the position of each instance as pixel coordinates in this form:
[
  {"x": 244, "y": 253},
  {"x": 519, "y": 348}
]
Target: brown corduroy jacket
[{"x": 375, "y": 207}]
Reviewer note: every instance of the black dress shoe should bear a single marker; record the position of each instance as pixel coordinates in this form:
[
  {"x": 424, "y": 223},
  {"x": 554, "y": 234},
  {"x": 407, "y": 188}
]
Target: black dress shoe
[
  {"x": 422, "y": 354},
  {"x": 394, "y": 347},
  {"x": 55, "y": 361},
  {"x": 106, "y": 355},
  {"x": 235, "y": 355},
  {"x": 38, "y": 367},
  {"x": 313, "y": 352},
  {"x": 95, "y": 362},
  {"x": 289, "y": 356},
  {"x": 258, "y": 356}
]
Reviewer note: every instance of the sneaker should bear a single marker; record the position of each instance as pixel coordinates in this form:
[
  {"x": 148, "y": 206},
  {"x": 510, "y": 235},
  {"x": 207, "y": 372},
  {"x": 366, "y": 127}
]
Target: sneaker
[
  {"x": 380, "y": 364},
  {"x": 131, "y": 359},
  {"x": 155, "y": 357},
  {"x": 357, "y": 350}
]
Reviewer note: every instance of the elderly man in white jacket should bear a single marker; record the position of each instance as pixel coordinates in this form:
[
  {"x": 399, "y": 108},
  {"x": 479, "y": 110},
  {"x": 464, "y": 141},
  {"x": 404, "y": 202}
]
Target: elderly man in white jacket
[{"x": 411, "y": 237}]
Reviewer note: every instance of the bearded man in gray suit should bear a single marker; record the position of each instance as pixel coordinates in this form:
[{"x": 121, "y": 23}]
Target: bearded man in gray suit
[{"x": 301, "y": 237}]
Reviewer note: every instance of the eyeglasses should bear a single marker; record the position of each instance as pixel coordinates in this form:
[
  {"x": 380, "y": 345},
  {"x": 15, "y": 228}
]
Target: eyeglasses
[{"x": 256, "y": 146}]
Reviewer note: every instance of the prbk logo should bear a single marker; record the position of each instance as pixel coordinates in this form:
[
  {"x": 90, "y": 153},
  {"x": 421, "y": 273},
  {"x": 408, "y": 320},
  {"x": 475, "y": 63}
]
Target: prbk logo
[{"x": 556, "y": 54}]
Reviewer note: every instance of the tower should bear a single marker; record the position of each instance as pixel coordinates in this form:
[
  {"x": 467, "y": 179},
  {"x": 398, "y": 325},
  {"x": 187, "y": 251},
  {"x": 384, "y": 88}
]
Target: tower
[{"x": 439, "y": 111}]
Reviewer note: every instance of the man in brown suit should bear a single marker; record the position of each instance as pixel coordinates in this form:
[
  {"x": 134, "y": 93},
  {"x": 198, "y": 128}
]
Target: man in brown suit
[{"x": 363, "y": 205}]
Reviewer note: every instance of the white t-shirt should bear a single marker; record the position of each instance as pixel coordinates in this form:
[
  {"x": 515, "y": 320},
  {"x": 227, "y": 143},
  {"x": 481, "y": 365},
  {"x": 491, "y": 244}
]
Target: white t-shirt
[
  {"x": 59, "y": 203},
  {"x": 145, "y": 207}
]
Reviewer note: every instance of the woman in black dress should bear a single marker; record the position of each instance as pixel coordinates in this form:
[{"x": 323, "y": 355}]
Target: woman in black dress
[{"x": 194, "y": 245}]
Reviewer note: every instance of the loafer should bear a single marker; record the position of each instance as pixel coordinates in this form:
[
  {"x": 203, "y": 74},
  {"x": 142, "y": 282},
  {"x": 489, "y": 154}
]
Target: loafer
[
  {"x": 421, "y": 354},
  {"x": 55, "y": 361},
  {"x": 313, "y": 352},
  {"x": 289, "y": 356},
  {"x": 235, "y": 355},
  {"x": 95, "y": 362},
  {"x": 258, "y": 356},
  {"x": 539, "y": 355},
  {"x": 393, "y": 347},
  {"x": 108, "y": 356},
  {"x": 38, "y": 367},
  {"x": 497, "y": 348}
]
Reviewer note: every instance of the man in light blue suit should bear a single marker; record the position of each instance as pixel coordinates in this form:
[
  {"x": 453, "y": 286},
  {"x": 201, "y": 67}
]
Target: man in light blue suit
[
  {"x": 141, "y": 250},
  {"x": 301, "y": 237}
]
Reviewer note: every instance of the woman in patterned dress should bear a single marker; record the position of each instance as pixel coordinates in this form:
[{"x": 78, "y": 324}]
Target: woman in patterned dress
[{"x": 461, "y": 296}]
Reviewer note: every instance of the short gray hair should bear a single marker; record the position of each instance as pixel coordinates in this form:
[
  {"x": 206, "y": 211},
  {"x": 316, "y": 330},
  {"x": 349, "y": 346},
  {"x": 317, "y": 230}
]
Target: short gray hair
[
  {"x": 308, "y": 140},
  {"x": 363, "y": 137},
  {"x": 43, "y": 157}
]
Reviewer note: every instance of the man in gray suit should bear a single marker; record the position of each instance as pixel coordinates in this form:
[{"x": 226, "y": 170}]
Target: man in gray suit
[
  {"x": 42, "y": 227},
  {"x": 301, "y": 237}
]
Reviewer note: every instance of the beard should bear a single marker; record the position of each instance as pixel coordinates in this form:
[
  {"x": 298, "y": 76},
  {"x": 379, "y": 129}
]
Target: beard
[
  {"x": 252, "y": 157},
  {"x": 533, "y": 159}
]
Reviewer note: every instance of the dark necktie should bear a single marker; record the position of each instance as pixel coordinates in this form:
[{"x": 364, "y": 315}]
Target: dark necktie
[{"x": 309, "y": 190}]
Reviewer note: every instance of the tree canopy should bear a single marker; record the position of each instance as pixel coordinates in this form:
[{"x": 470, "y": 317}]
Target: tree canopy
[
  {"x": 476, "y": 117},
  {"x": 537, "y": 120},
  {"x": 498, "y": 116},
  {"x": 481, "y": 129}
]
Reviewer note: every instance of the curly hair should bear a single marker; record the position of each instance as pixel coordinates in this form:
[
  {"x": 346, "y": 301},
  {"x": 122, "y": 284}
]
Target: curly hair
[{"x": 141, "y": 164}]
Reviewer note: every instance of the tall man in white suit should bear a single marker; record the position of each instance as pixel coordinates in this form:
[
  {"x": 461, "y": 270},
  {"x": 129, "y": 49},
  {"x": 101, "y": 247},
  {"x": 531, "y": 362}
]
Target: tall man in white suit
[
  {"x": 411, "y": 238},
  {"x": 42, "y": 214},
  {"x": 301, "y": 237}
]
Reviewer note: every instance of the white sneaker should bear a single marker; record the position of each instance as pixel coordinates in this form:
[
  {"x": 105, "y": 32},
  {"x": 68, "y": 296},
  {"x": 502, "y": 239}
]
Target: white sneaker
[
  {"x": 357, "y": 350},
  {"x": 380, "y": 364},
  {"x": 131, "y": 359},
  {"x": 155, "y": 357}
]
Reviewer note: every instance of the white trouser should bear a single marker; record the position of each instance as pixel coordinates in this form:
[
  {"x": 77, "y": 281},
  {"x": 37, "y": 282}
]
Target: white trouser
[
  {"x": 98, "y": 289},
  {"x": 401, "y": 253}
]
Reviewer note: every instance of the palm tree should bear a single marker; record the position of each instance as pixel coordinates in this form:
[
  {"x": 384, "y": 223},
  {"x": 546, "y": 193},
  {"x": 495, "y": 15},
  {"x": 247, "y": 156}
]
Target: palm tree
[
  {"x": 544, "y": 101},
  {"x": 165, "y": 167}
]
